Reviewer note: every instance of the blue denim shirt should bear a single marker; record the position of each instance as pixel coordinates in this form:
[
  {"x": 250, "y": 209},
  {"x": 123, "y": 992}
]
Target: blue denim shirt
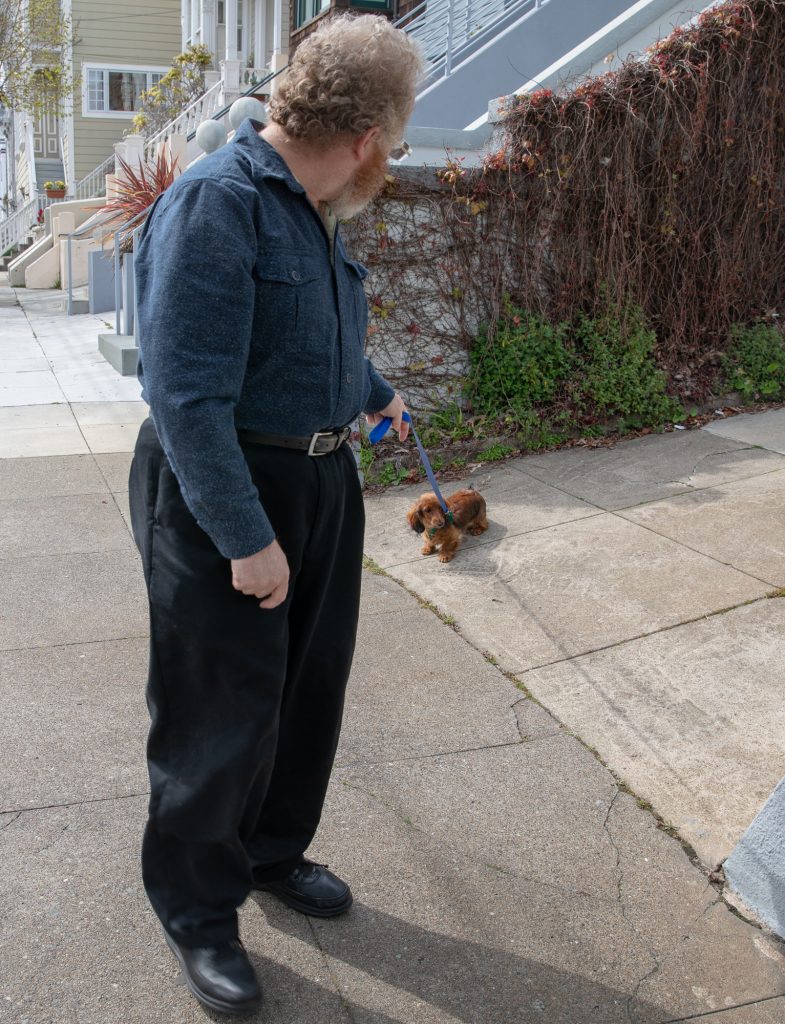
[{"x": 243, "y": 321}]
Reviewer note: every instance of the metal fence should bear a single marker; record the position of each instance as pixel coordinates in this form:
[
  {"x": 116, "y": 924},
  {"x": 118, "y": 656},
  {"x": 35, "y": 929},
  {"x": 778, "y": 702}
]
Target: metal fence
[{"x": 448, "y": 30}]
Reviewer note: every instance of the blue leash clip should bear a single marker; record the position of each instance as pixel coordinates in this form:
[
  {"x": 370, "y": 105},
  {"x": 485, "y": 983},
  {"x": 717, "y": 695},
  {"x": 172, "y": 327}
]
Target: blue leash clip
[{"x": 381, "y": 429}]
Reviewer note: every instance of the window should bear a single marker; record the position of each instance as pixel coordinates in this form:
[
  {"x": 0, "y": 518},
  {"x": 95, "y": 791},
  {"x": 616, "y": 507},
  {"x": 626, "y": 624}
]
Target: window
[
  {"x": 307, "y": 9},
  {"x": 115, "y": 92}
]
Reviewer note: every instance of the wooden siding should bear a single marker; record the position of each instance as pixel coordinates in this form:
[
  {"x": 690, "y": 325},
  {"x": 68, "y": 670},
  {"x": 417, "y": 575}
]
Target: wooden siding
[{"x": 145, "y": 33}]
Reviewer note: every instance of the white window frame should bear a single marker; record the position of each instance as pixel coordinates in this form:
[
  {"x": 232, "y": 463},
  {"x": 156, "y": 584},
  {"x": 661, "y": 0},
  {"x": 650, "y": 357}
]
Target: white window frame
[{"x": 126, "y": 115}]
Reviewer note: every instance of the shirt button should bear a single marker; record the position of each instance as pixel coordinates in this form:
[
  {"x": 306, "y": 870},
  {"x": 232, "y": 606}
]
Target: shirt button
[
  {"x": 295, "y": 275},
  {"x": 348, "y": 378}
]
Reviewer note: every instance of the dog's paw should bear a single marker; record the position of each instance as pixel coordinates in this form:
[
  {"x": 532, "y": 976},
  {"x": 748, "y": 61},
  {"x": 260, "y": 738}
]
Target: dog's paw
[
  {"x": 429, "y": 551},
  {"x": 446, "y": 556}
]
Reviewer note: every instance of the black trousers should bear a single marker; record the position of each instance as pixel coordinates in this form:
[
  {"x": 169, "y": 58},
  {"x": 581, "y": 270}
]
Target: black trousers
[{"x": 245, "y": 703}]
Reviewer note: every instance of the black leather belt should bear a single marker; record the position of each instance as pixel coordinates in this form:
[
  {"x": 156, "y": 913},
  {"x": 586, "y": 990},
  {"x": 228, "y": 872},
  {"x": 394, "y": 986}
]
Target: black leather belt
[{"x": 321, "y": 443}]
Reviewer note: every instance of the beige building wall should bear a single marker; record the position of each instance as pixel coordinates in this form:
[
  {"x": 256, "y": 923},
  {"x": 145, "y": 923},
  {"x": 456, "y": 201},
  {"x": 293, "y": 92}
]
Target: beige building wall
[{"x": 141, "y": 34}]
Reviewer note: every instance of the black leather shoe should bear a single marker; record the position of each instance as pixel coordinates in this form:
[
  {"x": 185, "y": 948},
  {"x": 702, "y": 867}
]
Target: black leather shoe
[
  {"x": 222, "y": 977},
  {"x": 312, "y": 890}
]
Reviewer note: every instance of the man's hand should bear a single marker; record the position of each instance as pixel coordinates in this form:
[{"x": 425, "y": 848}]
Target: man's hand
[
  {"x": 395, "y": 410},
  {"x": 265, "y": 574}
]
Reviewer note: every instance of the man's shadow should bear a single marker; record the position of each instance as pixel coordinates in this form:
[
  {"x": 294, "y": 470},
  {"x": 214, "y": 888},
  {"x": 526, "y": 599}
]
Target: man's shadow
[{"x": 472, "y": 982}]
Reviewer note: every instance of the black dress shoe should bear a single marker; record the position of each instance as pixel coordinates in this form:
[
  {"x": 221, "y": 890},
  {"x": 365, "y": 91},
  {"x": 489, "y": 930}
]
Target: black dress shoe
[
  {"x": 220, "y": 976},
  {"x": 312, "y": 890}
]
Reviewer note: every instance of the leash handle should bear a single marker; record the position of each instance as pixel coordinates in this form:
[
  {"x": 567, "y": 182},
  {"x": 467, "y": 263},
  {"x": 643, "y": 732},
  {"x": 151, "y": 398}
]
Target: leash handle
[
  {"x": 383, "y": 426},
  {"x": 381, "y": 429}
]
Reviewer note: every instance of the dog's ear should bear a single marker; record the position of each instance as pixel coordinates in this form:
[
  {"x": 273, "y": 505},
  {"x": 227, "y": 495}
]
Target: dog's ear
[{"x": 413, "y": 515}]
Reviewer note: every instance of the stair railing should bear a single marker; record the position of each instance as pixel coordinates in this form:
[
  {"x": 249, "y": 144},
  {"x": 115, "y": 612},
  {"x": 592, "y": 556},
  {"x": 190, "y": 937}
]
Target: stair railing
[
  {"x": 94, "y": 183},
  {"x": 17, "y": 227},
  {"x": 188, "y": 119},
  {"x": 448, "y": 30}
]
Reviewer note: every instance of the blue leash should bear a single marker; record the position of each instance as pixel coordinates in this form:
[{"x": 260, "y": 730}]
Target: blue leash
[{"x": 378, "y": 433}]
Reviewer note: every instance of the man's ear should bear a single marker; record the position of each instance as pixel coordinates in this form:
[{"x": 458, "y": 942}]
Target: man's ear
[{"x": 362, "y": 144}]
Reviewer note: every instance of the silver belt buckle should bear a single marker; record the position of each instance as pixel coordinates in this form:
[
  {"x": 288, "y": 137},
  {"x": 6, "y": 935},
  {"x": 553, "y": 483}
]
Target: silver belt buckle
[{"x": 316, "y": 436}]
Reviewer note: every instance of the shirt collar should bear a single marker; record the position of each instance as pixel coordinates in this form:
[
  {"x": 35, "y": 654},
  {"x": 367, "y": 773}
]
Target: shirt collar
[{"x": 267, "y": 162}]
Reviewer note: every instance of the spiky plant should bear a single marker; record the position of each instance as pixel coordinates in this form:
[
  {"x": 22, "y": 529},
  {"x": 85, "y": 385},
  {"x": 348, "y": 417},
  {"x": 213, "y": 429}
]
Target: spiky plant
[{"x": 136, "y": 193}]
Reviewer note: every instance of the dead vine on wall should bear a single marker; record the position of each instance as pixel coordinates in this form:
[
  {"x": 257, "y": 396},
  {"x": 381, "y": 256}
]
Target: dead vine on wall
[{"x": 664, "y": 180}]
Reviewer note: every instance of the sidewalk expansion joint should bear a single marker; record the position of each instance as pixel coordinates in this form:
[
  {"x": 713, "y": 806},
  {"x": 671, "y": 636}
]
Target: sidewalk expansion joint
[
  {"x": 428, "y": 757},
  {"x": 329, "y": 970},
  {"x": 72, "y": 803},
  {"x": 689, "y": 488},
  {"x": 72, "y": 643},
  {"x": 774, "y": 593},
  {"x": 696, "y": 551},
  {"x": 724, "y": 1009},
  {"x": 495, "y": 541}
]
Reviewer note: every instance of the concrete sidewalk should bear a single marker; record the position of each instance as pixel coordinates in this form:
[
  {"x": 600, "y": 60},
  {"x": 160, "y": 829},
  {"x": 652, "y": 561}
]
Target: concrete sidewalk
[
  {"x": 630, "y": 591},
  {"x": 501, "y": 874}
]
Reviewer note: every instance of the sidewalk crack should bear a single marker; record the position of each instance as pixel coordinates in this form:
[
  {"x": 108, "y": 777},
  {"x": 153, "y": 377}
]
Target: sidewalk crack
[
  {"x": 665, "y": 956},
  {"x": 629, "y": 1009},
  {"x": 16, "y": 817},
  {"x": 713, "y": 455}
]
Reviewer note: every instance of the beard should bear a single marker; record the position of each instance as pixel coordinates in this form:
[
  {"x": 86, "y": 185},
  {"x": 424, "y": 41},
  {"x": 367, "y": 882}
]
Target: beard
[{"x": 366, "y": 183}]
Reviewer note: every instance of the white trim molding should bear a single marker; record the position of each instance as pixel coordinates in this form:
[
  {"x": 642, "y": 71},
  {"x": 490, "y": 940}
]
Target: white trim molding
[{"x": 108, "y": 68}]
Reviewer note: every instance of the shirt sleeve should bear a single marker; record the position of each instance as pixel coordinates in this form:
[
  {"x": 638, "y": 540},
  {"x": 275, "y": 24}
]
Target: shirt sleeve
[
  {"x": 195, "y": 304},
  {"x": 382, "y": 392}
]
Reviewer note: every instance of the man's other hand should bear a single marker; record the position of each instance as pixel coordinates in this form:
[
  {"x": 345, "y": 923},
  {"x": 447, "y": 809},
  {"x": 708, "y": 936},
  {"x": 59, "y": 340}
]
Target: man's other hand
[
  {"x": 265, "y": 575},
  {"x": 395, "y": 411}
]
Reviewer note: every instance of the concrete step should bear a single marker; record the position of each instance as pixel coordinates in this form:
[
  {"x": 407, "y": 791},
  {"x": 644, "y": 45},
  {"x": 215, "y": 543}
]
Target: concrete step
[{"x": 120, "y": 350}]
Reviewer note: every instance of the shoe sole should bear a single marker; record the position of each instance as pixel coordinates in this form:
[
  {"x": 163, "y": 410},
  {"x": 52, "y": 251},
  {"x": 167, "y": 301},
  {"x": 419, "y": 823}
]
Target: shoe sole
[
  {"x": 214, "y": 1004},
  {"x": 307, "y": 908}
]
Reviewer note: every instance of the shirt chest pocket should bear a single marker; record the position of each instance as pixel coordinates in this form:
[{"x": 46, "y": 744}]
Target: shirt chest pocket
[
  {"x": 294, "y": 300},
  {"x": 356, "y": 274}
]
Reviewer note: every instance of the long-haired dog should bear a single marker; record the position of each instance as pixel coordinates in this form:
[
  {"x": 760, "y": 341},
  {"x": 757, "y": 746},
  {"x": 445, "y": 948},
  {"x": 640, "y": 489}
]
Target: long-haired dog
[{"x": 466, "y": 514}]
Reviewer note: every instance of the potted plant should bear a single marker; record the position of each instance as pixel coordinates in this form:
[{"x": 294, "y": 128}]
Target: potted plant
[
  {"x": 136, "y": 191},
  {"x": 54, "y": 189}
]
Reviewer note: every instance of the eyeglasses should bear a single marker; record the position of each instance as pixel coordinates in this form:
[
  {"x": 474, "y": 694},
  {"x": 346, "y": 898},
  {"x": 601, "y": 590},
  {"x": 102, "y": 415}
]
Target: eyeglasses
[{"x": 401, "y": 151}]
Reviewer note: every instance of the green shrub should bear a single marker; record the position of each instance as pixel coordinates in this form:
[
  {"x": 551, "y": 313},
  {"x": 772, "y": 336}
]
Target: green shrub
[
  {"x": 616, "y": 373},
  {"x": 494, "y": 453},
  {"x": 522, "y": 366},
  {"x": 449, "y": 420},
  {"x": 754, "y": 364},
  {"x": 543, "y": 380}
]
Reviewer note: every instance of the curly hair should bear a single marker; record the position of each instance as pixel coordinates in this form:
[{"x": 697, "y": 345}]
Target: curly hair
[{"x": 351, "y": 74}]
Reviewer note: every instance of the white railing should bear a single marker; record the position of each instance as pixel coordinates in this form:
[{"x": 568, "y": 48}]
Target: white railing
[
  {"x": 94, "y": 183},
  {"x": 188, "y": 120},
  {"x": 447, "y": 30},
  {"x": 17, "y": 227}
]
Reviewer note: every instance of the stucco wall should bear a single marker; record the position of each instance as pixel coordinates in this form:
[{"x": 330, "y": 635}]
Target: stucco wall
[{"x": 756, "y": 868}]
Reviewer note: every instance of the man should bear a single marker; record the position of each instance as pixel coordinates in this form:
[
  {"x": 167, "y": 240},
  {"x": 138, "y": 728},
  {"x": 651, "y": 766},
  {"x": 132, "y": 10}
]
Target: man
[{"x": 245, "y": 501}]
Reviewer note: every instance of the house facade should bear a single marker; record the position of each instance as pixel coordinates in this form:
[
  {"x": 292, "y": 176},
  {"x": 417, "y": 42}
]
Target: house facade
[
  {"x": 117, "y": 53},
  {"x": 253, "y": 32}
]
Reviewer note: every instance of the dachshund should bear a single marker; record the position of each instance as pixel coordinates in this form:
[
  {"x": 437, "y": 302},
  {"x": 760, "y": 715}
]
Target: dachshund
[{"x": 466, "y": 515}]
